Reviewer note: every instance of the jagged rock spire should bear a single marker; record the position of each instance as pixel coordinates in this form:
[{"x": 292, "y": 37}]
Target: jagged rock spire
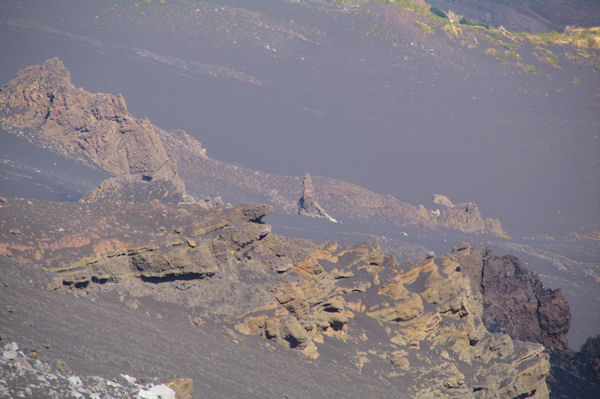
[{"x": 307, "y": 205}]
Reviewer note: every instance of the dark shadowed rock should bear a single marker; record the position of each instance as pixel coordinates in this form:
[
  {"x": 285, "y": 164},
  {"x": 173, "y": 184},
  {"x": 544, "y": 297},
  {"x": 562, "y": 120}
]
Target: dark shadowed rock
[
  {"x": 514, "y": 299},
  {"x": 576, "y": 374}
]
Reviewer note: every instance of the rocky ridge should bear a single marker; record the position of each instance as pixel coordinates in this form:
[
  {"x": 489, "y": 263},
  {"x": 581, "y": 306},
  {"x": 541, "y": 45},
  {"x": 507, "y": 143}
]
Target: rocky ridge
[
  {"x": 416, "y": 325},
  {"x": 428, "y": 323},
  {"x": 42, "y": 105}
]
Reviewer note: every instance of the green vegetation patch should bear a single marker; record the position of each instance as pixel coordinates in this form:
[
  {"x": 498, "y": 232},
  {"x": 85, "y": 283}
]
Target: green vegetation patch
[
  {"x": 579, "y": 37},
  {"x": 424, "y": 27},
  {"x": 502, "y": 58},
  {"x": 530, "y": 68}
]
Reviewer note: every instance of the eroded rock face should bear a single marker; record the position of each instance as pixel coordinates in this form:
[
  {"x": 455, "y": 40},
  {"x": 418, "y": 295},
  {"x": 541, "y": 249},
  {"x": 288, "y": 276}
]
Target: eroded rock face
[
  {"x": 131, "y": 189},
  {"x": 514, "y": 299},
  {"x": 42, "y": 105},
  {"x": 42, "y": 101},
  {"x": 466, "y": 217},
  {"x": 428, "y": 324}
]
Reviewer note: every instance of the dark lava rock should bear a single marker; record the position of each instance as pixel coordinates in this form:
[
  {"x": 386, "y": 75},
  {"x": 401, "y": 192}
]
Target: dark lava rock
[
  {"x": 576, "y": 374},
  {"x": 514, "y": 299}
]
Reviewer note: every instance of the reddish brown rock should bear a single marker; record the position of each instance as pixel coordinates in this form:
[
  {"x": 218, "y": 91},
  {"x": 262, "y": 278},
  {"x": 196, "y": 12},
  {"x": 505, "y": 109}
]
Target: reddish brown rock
[
  {"x": 514, "y": 299},
  {"x": 94, "y": 127}
]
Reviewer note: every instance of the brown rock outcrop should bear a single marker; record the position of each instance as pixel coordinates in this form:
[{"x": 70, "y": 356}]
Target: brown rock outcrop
[
  {"x": 96, "y": 127},
  {"x": 419, "y": 324},
  {"x": 514, "y": 299},
  {"x": 43, "y": 106},
  {"x": 466, "y": 217},
  {"x": 431, "y": 324}
]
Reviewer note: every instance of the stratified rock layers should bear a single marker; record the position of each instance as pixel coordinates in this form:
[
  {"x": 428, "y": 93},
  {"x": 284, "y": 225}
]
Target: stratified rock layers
[
  {"x": 422, "y": 325},
  {"x": 430, "y": 323}
]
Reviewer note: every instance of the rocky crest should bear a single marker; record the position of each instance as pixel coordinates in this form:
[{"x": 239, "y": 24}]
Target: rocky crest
[
  {"x": 465, "y": 217},
  {"x": 42, "y": 103}
]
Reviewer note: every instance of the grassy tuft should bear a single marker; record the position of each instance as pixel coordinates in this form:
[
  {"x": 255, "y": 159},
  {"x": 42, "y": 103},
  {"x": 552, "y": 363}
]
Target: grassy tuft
[{"x": 424, "y": 27}]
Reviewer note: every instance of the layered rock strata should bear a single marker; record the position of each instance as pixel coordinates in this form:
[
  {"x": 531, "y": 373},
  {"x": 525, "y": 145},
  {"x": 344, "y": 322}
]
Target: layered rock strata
[
  {"x": 427, "y": 321},
  {"x": 422, "y": 325}
]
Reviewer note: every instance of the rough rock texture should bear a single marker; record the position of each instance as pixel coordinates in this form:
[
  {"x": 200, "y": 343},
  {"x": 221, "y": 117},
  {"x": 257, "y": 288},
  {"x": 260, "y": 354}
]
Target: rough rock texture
[
  {"x": 417, "y": 326},
  {"x": 466, "y": 217},
  {"x": 576, "y": 374},
  {"x": 439, "y": 199},
  {"x": 514, "y": 299},
  {"x": 307, "y": 205},
  {"x": 131, "y": 189},
  {"x": 41, "y": 101},
  {"x": 227, "y": 256},
  {"x": 430, "y": 326}
]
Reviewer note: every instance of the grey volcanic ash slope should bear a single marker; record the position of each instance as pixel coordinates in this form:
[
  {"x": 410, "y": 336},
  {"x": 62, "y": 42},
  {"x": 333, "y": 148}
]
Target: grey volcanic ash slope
[
  {"x": 362, "y": 93},
  {"x": 43, "y": 102}
]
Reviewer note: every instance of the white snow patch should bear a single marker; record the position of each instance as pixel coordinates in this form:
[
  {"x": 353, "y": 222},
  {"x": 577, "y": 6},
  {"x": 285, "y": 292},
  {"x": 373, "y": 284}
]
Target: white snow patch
[{"x": 157, "y": 392}]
